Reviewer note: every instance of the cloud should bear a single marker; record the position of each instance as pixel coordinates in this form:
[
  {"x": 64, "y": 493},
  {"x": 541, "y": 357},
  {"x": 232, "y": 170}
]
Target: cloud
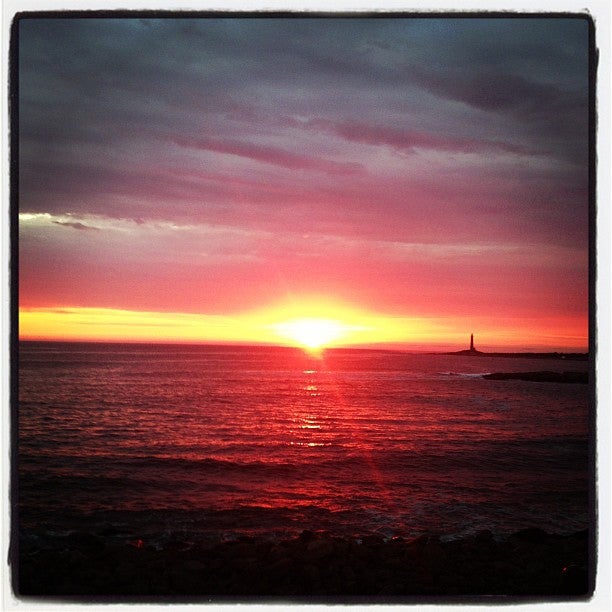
[
  {"x": 205, "y": 149},
  {"x": 409, "y": 140},
  {"x": 76, "y": 225},
  {"x": 270, "y": 155}
]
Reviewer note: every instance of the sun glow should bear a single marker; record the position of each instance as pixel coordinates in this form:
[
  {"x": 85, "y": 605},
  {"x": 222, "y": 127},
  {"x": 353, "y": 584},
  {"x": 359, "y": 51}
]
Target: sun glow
[
  {"x": 310, "y": 323},
  {"x": 312, "y": 333}
]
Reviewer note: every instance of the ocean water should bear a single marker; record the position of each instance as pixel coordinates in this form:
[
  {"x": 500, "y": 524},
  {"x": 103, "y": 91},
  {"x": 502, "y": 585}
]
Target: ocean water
[{"x": 199, "y": 443}]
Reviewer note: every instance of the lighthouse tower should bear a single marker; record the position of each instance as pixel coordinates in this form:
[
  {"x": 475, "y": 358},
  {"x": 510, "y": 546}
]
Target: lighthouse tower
[{"x": 472, "y": 342}]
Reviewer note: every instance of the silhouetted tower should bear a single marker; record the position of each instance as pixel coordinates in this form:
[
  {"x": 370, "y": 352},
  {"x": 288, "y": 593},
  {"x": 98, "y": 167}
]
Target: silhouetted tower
[{"x": 471, "y": 342}]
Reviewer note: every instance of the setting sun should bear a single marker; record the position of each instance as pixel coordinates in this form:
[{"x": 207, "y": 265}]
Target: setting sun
[{"x": 312, "y": 333}]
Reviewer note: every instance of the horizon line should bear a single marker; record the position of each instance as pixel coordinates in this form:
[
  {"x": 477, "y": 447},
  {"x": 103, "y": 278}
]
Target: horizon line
[{"x": 382, "y": 346}]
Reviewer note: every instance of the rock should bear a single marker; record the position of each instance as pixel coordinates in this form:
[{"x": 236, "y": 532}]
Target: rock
[
  {"x": 574, "y": 580},
  {"x": 483, "y": 536},
  {"x": 532, "y": 534},
  {"x": 76, "y": 557},
  {"x": 280, "y": 567},
  {"x": 192, "y": 565},
  {"x": 306, "y": 536},
  {"x": 390, "y": 589},
  {"x": 557, "y": 377},
  {"x": 372, "y": 540},
  {"x": 317, "y": 549},
  {"x": 434, "y": 555},
  {"x": 86, "y": 541},
  {"x": 347, "y": 573},
  {"x": 178, "y": 545},
  {"x": 311, "y": 575},
  {"x": 420, "y": 541},
  {"x": 527, "y": 563}
]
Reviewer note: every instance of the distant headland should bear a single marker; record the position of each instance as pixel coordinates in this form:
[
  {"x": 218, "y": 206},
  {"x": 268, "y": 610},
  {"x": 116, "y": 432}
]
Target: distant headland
[{"x": 472, "y": 352}]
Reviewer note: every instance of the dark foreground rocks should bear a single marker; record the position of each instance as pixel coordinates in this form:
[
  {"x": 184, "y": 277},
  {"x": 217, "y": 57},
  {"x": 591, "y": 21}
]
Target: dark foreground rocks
[
  {"x": 530, "y": 563},
  {"x": 558, "y": 377}
]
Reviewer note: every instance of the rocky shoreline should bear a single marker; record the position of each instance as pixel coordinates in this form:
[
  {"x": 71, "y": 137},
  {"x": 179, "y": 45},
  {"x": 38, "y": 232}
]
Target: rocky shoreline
[
  {"x": 528, "y": 564},
  {"x": 557, "y": 377}
]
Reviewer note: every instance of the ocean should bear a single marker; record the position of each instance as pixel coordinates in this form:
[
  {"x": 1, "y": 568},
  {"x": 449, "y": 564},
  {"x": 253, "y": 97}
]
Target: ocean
[{"x": 187, "y": 444}]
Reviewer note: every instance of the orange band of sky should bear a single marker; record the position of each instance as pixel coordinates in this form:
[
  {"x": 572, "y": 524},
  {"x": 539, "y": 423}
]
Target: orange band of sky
[{"x": 273, "y": 326}]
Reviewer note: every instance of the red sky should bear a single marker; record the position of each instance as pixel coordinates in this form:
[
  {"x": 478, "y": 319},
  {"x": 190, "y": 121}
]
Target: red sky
[{"x": 431, "y": 172}]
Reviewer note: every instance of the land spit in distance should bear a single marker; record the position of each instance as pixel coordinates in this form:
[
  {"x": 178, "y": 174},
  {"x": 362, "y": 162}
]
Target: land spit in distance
[
  {"x": 533, "y": 376},
  {"x": 566, "y": 356},
  {"x": 472, "y": 352}
]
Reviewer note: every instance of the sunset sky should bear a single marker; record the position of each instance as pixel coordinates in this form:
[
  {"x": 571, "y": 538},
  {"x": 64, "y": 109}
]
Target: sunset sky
[{"x": 411, "y": 180}]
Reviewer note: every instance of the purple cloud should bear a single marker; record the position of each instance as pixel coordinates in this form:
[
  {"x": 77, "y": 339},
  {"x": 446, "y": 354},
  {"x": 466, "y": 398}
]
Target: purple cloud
[
  {"x": 270, "y": 155},
  {"x": 409, "y": 139}
]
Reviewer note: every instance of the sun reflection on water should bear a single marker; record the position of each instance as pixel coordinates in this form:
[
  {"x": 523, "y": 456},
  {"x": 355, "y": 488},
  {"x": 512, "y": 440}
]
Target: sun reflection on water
[{"x": 310, "y": 423}]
